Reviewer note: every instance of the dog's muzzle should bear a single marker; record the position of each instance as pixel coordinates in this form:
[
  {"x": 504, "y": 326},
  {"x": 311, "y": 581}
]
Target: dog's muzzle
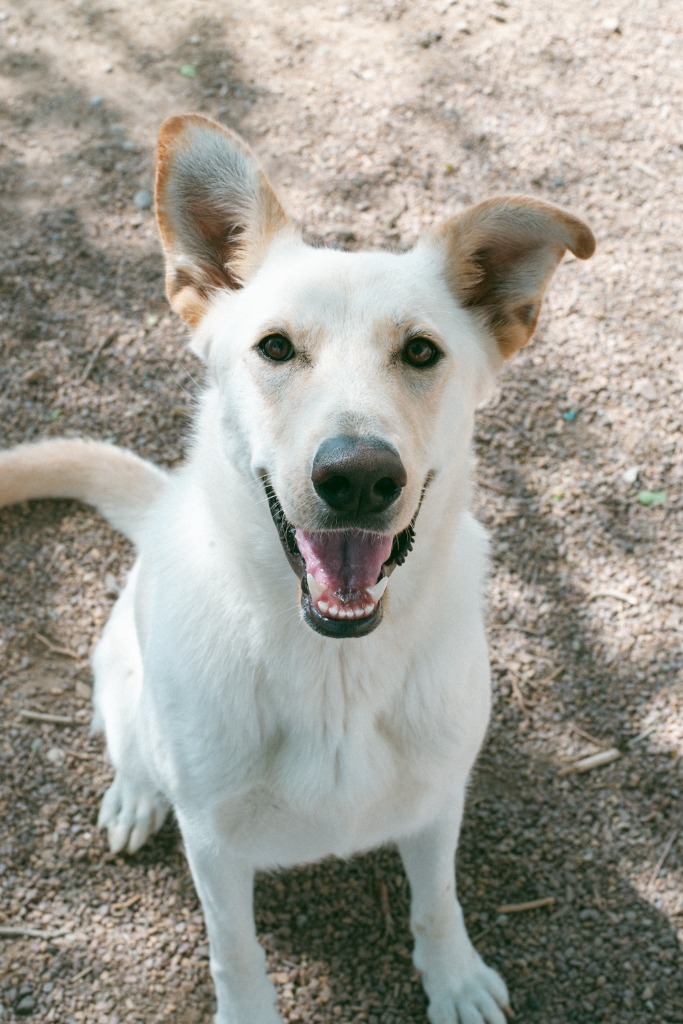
[{"x": 345, "y": 565}]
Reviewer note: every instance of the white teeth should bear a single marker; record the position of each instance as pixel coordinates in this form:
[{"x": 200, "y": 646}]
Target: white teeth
[
  {"x": 376, "y": 592},
  {"x": 314, "y": 588},
  {"x": 321, "y": 600}
]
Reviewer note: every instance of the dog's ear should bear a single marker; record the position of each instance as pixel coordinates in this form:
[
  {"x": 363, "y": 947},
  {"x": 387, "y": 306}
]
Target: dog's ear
[
  {"x": 217, "y": 212},
  {"x": 501, "y": 255}
]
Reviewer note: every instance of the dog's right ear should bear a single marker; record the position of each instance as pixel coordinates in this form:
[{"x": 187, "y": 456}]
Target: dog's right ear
[{"x": 217, "y": 212}]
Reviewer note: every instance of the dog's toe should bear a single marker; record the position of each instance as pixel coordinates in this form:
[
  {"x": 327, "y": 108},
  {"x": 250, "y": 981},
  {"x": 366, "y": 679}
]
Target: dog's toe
[
  {"x": 479, "y": 998},
  {"x": 131, "y": 813}
]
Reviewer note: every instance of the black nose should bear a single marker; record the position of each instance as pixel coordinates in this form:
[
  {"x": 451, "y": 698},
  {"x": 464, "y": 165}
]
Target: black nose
[{"x": 358, "y": 474}]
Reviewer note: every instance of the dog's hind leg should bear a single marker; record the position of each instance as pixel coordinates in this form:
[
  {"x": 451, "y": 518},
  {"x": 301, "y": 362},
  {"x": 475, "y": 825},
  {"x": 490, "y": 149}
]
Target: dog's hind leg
[
  {"x": 133, "y": 809},
  {"x": 460, "y": 987}
]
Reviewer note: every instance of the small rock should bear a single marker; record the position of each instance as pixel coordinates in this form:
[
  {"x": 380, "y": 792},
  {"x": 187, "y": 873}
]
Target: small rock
[
  {"x": 55, "y": 755},
  {"x": 26, "y": 1005},
  {"x": 428, "y": 39},
  {"x": 630, "y": 475},
  {"x": 96, "y": 101},
  {"x": 644, "y": 386},
  {"x": 111, "y": 587},
  {"x": 611, "y": 25},
  {"x": 143, "y": 199}
]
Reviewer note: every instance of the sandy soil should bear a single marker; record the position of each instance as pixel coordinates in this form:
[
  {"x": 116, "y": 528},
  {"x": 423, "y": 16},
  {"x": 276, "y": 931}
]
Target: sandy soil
[{"x": 375, "y": 119}]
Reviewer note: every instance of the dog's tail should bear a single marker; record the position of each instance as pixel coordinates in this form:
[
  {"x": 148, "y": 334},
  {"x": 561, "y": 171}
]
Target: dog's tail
[{"x": 122, "y": 486}]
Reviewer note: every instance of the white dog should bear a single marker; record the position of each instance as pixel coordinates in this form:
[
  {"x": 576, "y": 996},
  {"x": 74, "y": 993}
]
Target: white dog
[{"x": 273, "y": 671}]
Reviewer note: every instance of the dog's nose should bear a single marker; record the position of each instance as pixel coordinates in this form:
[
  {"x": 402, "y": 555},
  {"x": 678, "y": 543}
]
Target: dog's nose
[{"x": 358, "y": 474}]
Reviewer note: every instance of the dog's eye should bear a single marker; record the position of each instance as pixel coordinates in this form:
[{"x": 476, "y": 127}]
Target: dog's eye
[
  {"x": 276, "y": 347},
  {"x": 420, "y": 353}
]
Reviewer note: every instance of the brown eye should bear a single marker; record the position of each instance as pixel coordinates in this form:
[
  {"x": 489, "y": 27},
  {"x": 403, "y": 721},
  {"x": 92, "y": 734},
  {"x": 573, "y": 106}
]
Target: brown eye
[
  {"x": 420, "y": 353},
  {"x": 276, "y": 347}
]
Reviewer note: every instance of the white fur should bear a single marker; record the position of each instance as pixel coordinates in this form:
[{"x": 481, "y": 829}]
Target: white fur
[{"x": 273, "y": 744}]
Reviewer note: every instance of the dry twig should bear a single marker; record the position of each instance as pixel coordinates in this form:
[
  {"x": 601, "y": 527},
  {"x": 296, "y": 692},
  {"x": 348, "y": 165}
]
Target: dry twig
[
  {"x": 517, "y": 690},
  {"x": 513, "y": 627},
  {"x": 127, "y": 903},
  {"x": 89, "y": 366},
  {"x": 490, "y": 486},
  {"x": 618, "y": 595},
  {"x": 587, "y": 736},
  {"x": 665, "y": 853},
  {"x": 586, "y": 764},
  {"x": 43, "y": 716},
  {"x": 386, "y": 909},
  {"x": 56, "y": 649},
  {"x": 521, "y": 908},
  {"x": 550, "y": 678},
  {"x": 19, "y": 932}
]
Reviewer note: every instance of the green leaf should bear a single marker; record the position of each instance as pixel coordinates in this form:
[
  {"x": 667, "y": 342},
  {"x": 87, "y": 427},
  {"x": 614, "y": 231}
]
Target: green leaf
[
  {"x": 652, "y": 497},
  {"x": 188, "y": 70}
]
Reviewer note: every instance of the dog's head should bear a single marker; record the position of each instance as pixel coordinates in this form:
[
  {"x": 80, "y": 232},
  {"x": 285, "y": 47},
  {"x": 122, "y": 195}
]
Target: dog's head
[{"x": 348, "y": 381}]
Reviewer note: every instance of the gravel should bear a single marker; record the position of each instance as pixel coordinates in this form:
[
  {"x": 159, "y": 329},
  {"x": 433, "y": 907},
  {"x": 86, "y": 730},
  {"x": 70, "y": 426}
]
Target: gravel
[{"x": 376, "y": 120}]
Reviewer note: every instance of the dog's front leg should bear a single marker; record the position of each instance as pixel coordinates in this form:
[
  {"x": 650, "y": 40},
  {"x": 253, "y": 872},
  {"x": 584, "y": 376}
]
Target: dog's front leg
[
  {"x": 460, "y": 987},
  {"x": 225, "y": 885}
]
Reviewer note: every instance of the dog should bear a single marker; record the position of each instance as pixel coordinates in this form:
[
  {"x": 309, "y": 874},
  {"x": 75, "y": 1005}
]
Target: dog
[{"x": 297, "y": 665}]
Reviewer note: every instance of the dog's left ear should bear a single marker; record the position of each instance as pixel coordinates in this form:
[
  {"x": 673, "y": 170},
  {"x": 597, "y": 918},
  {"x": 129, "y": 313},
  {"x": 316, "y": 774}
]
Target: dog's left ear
[
  {"x": 501, "y": 255},
  {"x": 217, "y": 211}
]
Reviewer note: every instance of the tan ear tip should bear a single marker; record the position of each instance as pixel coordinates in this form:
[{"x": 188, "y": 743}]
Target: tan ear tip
[
  {"x": 584, "y": 241},
  {"x": 179, "y": 123},
  {"x": 171, "y": 126}
]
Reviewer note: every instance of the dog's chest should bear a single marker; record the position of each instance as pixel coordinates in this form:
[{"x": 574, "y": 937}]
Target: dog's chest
[
  {"x": 333, "y": 773},
  {"x": 314, "y": 793},
  {"x": 294, "y": 749}
]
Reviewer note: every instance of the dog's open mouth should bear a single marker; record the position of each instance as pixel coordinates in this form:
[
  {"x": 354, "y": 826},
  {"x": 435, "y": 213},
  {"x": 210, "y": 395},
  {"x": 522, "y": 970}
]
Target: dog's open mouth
[{"x": 343, "y": 573}]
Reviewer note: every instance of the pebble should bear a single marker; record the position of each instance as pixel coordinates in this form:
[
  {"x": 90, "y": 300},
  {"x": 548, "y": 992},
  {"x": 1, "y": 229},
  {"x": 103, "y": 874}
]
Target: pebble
[
  {"x": 143, "y": 199},
  {"x": 111, "y": 586},
  {"x": 428, "y": 39},
  {"x": 26, "y": 1005}
]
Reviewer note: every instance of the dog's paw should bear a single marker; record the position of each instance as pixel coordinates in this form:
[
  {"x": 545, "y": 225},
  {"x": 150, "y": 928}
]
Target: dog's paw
[
  {"x": 131, "y": 813},
  {"x": 478, "y": 996}
]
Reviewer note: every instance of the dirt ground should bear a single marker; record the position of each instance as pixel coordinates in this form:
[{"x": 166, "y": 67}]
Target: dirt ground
[{"x": 374, "y": 118}]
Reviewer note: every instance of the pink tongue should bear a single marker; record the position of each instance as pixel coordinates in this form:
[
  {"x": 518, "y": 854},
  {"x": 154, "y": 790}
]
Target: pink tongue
[{"x": 345, "y": 563}]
